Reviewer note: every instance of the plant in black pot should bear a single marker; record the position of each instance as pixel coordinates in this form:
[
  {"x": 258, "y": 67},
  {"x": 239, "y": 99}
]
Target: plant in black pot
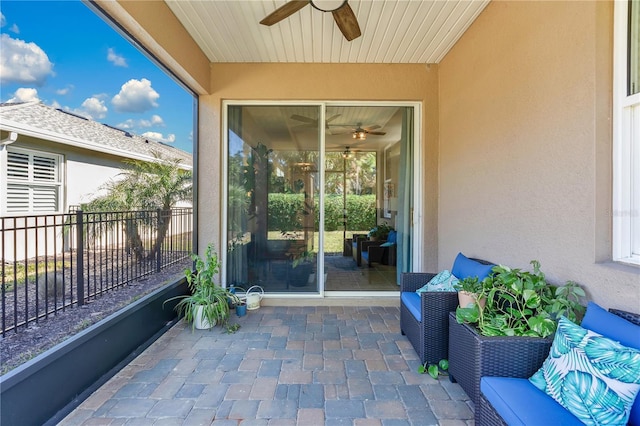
[
  {"x": 208, "y": 303},
  {"x": 512, "y": 334},
  {"x": 380, "y": 232},
  {"x": 301, "y": 267},
  {"x": 521, "y": 303}
]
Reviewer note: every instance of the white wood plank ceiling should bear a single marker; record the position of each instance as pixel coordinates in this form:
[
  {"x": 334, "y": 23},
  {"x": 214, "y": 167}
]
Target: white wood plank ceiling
[{"x": 393, "y": 31}]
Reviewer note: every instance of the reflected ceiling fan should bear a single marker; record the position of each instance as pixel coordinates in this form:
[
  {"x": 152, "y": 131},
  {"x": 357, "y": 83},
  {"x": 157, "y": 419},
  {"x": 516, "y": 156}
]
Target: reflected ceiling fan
[
  {"x": 360, "y": 133},
  {"x": 340, "y": 9},
  {"x": 312, "y": 122}
]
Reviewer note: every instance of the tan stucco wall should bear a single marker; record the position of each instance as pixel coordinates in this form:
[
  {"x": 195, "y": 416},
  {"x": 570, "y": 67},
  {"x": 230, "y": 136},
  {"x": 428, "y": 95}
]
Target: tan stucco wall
[
  {"x": 315, "y": 82},
  {"x": 525, "y": 145}
]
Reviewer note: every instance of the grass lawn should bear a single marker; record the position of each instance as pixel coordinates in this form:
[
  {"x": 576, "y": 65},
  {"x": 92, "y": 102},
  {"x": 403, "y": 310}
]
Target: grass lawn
[{"x": 333, "y": 240}]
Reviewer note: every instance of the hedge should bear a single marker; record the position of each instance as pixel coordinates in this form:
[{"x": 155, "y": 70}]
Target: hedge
[{"x": 283, "y": 209}]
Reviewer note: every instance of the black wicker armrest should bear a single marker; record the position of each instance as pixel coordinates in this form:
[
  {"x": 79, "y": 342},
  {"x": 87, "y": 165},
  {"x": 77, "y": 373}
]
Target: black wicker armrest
[{"x": 411, "y": 281}]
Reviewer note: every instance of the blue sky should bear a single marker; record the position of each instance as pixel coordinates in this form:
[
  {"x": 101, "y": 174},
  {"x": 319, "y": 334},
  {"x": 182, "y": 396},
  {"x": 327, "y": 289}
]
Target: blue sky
[{"x": 66, "y": 56}]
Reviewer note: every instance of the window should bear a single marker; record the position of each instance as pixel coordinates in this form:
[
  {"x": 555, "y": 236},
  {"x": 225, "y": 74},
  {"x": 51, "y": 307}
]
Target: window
[
  {"x": 33, "y": 182},
  {"x": 626, "y": 132}
]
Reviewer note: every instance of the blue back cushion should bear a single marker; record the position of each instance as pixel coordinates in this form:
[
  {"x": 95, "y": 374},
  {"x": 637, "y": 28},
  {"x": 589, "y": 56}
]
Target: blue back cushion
[
  {"x": 392, "y": 237},
  {"x": 616, "y": 328},
  {"x": 464, "y": 267}
]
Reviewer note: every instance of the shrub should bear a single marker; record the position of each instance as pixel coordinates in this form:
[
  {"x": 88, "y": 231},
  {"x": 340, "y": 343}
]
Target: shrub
[{"x": 284, "y": 209}]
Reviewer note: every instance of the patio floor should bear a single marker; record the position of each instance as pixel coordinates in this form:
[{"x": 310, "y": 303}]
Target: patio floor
[{"x": 285, "y": 366}]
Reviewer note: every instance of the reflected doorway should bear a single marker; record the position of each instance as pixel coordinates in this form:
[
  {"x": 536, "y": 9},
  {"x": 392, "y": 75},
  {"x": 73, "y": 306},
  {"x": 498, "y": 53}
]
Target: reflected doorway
[{"x": 305, "y": 201}]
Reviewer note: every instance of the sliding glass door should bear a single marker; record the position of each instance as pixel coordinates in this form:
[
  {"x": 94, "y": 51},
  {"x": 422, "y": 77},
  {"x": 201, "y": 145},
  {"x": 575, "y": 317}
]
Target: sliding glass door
[{"x": 302, "y": 198}]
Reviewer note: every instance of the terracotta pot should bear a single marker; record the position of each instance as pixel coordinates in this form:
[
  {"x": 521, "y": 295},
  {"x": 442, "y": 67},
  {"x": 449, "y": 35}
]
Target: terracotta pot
[{"x": 465, "y": 299}]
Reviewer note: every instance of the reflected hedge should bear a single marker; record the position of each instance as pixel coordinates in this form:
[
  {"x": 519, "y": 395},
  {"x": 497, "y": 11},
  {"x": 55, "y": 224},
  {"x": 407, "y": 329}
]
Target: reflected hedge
[{"x": 283, "y": 212}]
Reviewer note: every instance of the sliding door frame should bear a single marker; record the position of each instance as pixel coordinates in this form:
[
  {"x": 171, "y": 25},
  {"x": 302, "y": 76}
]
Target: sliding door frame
[{"x": 416, "y": 237}]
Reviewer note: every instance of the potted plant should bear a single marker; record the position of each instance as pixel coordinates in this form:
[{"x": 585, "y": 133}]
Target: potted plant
[
  {"x": 208, "y": 303},
  {"x": 468, "y": 290},
  {"x": 380, "y": 232},
  {"x": 512, "y": 334},
  {"x": 301, "y": 267},
  {"x": 520, "y": 303}
]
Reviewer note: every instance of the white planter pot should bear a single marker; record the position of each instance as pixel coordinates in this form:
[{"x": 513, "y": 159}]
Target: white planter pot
[{"x": 199, "y": 321}]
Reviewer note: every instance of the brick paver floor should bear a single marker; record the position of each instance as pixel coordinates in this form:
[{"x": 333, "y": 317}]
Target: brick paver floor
[{"x": 285, "y": 366}]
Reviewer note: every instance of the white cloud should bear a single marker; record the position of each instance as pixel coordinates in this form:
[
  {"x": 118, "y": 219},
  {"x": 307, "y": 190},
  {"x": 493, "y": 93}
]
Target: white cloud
[
  {"x": 156, "y": 120},
  {"x": 24, "y": 94},
  {"x": 3, "y": 20},
  {"x": 22, "y": 62},
  {"x": 115, "y": 59},
  {"x": 94, "y": 108},
  {"x": 65, "y": 90},
  {"x": 127, "y": 125},
  {"x": 130, "y": 123},
  {"x": 170, "y": 138},
  {"x": 135, "y": 96},
  {"x": 14, "y": 29}
]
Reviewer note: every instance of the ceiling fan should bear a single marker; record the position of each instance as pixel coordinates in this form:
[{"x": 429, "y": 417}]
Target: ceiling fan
[
  {"x": 361, "y": 133},
  {"x": 340, "y": 9},
  {"x": 312, "y": 122}
]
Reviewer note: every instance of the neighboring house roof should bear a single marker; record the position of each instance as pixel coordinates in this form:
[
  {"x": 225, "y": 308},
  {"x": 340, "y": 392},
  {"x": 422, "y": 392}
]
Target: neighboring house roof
[{"x": 44, "y": 122}]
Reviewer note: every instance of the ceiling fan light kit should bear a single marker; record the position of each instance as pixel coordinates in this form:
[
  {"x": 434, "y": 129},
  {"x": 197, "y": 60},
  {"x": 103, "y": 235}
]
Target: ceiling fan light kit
[
  {"x": 342, "y": 14},
  {"x": 328, "y": 5},
  {"x": 359, "y": 134}
]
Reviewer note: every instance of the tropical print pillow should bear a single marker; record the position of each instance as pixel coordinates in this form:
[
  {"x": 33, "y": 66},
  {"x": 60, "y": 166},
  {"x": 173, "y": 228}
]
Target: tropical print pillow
[
  {"x": 444, "y": 281},
  {"x": 594, "y": 377}
]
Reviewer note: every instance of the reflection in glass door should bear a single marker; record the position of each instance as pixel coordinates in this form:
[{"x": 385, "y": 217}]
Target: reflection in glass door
[
  {"x": 272, "y": 182},
  {"x": 274, "y": 197}
]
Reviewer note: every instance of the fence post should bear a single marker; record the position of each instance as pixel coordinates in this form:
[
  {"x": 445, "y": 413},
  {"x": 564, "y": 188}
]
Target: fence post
[
  {"x": 80, "y": 256},
  {"x": 159, "y": 246}
]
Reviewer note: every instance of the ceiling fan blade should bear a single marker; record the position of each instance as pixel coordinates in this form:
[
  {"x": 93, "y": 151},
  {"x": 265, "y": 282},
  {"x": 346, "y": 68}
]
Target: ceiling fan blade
[
  {"x": 347, "y": 22},
  {"x": 303, "y": 119},
  {"x": 377, "y": 133},
  {"x": 284, "y": 11},
  {"x": 333, "y": 117}
]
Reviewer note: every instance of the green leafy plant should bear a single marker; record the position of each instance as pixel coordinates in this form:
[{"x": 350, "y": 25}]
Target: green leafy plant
[
  {"x": 469, "y": 284},
  {"x": 232, "y": 328},
  {"x": 522, "y": 303},
  {"x": 434, "y": 370},
  {"x": 381, "y": 232},
  {"x": 213, "y": 299}
]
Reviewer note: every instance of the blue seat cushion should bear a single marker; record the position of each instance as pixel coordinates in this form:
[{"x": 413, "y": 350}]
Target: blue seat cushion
[
  {"x": 365, "y": 256},
  {"x": 464, "y": 267},
  {"x": 411, "y": 300},
  {"x": 519, "y": 402}
]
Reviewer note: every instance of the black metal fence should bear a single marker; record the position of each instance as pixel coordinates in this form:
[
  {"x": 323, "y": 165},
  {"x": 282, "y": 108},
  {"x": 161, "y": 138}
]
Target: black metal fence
[{"x": 51, "y": 263}]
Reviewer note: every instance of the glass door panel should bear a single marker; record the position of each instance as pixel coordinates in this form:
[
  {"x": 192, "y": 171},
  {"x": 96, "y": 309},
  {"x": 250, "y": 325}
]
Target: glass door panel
[
  {"x": 272, "y": 181},
  {"x": 359, "y": 196},
  {"x": 274, "y": 196}
]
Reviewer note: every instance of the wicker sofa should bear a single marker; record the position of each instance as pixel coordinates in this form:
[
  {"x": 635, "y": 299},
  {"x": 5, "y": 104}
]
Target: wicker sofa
[
  {"x": 516, "y": 401},
  {"x": 423, "y": 317}
]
